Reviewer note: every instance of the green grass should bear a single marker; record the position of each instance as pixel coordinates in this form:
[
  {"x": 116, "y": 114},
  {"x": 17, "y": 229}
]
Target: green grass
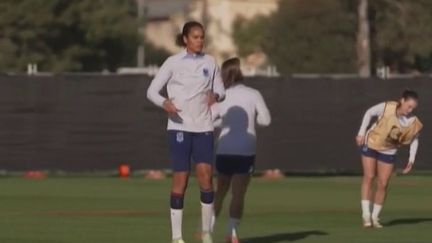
[{"x": 298, "y": 209}]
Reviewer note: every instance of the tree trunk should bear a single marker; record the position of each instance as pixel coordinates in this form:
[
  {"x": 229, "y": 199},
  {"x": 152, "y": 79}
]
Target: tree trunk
[{"x": 363, "y": 40}]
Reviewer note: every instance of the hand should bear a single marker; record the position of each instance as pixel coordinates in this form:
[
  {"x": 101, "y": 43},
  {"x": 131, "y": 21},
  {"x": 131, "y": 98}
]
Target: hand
[
  {"x": 212, "y": 98},
  {"x": 169, "y": 107},
  {"x": 217, "y": 131},
  {"x": 360, "y": 140},
  {"x": 408, "y": 168}
]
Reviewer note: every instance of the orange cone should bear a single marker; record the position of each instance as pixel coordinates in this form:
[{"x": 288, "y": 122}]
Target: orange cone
[
  {"x": 35, "y": 174},
  {"x": 124, "y": 170}
]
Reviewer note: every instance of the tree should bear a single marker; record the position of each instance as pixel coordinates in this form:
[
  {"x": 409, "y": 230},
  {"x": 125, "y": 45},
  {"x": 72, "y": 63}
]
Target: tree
[
  {"x": 363, "y": 40},
  {"x": 319, "y": 36},
  {"x": 401, "y": 33},
  {"x": 59, "y": 35},
  {"x": 314, "y": 36},
  {"x": 155, "y": 55},
  {"x": 249, "y": 36}
]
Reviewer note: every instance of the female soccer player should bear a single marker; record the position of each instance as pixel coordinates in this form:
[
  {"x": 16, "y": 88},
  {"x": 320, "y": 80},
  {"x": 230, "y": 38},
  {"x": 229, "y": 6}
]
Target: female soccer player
[
  {"x": 396, "y": 126},
  {"x": 236, "y": 147},
  {"x": 193, "y": 85}
]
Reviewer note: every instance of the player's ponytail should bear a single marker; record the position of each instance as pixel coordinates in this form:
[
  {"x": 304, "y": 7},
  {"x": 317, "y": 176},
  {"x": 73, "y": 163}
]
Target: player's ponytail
[{"x": 231, "y": 72}]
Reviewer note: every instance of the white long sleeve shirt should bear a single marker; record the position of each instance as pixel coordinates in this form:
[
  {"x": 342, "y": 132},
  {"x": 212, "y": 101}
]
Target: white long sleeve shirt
[
  {"x": 188, "y": 78},
  {"x": 378, "y": 111},
  {"x": 236, "y": 116}
]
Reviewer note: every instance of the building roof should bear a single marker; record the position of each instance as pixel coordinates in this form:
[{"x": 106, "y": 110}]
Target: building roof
[{"x": 163, "y": 9}]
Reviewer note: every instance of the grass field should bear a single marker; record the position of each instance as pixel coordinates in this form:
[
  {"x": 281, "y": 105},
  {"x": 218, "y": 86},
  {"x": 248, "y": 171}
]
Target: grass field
[{"x": 297, "y": 209}]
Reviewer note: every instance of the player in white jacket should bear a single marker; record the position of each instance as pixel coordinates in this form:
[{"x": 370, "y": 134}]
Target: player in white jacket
[
  {"x": 194, "y": 84},
  {"x": 236, "y": 118}
]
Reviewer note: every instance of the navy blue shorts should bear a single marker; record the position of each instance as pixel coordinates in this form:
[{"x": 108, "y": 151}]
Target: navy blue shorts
[
  {"x": 368, "y": 152},
  {"x": 185, "y": 147},
  {"x": 235, "y": 164}
]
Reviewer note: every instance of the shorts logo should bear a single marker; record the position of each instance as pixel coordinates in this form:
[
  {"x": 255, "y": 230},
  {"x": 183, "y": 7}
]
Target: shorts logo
[
  {"x": 206, "y": 72},
  {"x": 180, "y": 137}
]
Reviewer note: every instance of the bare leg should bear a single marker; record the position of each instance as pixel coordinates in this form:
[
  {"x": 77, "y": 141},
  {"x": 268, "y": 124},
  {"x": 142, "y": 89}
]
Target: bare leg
[
  {"x": 369, "y": 173},
  {"x": 239, "y": 186},
  {"x": 384, "y": 173},
  {"x": 179, "y": 182},
  {"x": 223, "y": 185}
]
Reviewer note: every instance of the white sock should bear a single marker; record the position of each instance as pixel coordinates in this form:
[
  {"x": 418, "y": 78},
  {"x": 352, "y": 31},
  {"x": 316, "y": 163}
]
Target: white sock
[
  {"x": 376, "y": 211},
  {"x": 206, "y": 217},
  {"x": 365, "y": 204},
  {"x": 232, "y": 226},
  {"x": 176, "y": 223},
  {"x": 213, "y": 222}
]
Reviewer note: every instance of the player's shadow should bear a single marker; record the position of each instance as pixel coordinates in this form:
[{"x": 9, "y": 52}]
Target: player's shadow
[
  {"x": 284, "y": 237},
  {"x": 408, "y": 221},
  {"x": 236, "y": 120}
]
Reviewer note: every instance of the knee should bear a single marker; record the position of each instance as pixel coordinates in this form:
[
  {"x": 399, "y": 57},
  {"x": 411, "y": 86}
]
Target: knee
[
  {"x": 223, "y": 184},
  {"x": 368, "y": 178},
  {"x": 221, "y": 191},
  {"x": 382, "y": 184},
  {"x": 237, "y": 200},
  {"x": 204, "y": 175}
]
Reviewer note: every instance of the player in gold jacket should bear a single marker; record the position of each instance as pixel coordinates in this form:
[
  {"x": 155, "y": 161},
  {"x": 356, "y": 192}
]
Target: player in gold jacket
[{"x": 396, "y": 126}]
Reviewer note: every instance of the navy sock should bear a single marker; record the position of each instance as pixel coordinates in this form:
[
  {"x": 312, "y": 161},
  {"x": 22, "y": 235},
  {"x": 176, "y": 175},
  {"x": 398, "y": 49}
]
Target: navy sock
[
  {"x": 207, "y": 197},
  {"x": 176, "y": 200}
]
